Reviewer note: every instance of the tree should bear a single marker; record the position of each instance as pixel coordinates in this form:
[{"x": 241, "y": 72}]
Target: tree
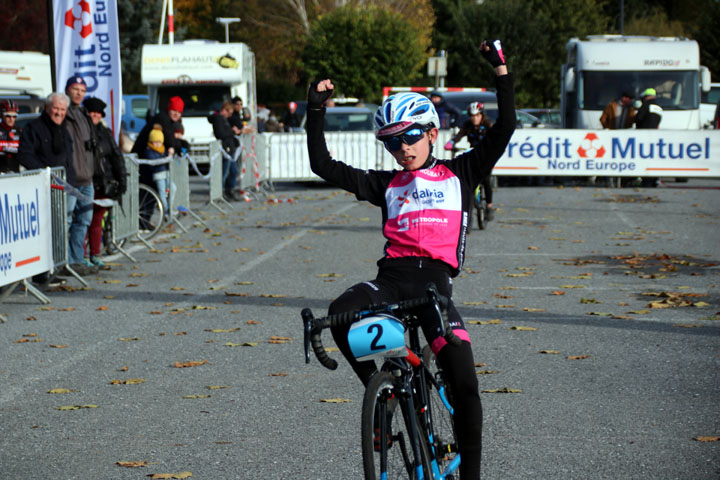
[
  {"x": 24, "y": 26},
  {"x": 139, "y": 23},
  {"x": 363, "y": 49},
  {"x": 534, "y": 33}
]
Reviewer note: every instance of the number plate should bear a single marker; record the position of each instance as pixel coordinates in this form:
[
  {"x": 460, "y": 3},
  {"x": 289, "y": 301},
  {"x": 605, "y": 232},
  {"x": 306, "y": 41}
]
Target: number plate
[{"x": 377, "y": 336}]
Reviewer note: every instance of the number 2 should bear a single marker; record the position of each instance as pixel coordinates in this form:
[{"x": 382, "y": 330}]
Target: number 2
[{"x": 374, "y": 345}]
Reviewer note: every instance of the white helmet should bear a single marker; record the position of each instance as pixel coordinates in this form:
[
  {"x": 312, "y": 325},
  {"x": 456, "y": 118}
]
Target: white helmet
[
  {"x": 400, "y": 112},
  {"x": 476, "y": 107}
]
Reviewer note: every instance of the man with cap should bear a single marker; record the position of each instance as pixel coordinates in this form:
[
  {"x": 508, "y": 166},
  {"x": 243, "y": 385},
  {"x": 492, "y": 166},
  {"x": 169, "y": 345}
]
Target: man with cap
[
  {"x": 80, "y": 207},
  {"x": 168, "y": 121},
  {"x": 619, "y": 113},
  {"x": 9, "y": 137},
  {"x": 650, "y": 113}
]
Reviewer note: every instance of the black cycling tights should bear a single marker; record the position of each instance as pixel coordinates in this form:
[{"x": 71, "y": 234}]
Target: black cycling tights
[{"x": 403, "y": 283}]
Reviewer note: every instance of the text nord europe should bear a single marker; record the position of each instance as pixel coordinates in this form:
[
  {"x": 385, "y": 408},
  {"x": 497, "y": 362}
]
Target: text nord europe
[{"x": 19, "y": 218}]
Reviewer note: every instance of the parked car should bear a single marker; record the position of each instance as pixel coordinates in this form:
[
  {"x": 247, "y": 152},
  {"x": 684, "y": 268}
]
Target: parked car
[
  {"x": 25, "y": 118},
  {"x": 26, "y": 103},
  {"x": 526, "y": 120},
  {"x": 549, "y": 117},
  {"x": 134, "y": 112},
  {"x": 348, "y": 119}
]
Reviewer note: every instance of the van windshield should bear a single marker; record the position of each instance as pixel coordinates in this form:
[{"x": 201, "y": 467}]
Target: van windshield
[
  {"x": 676, "y": 90},
  {"x": 199, "y": 100}
]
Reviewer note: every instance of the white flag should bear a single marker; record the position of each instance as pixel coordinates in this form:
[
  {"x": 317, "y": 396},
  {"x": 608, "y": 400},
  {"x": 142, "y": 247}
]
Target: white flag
[{"x": 87, "y": 45}]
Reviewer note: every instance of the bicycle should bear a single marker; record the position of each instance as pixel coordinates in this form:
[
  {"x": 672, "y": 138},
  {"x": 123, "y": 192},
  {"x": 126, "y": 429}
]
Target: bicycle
[
  {"x": 481, "y": 206},
  {"x": 419, "y": 440},
  {"x": 151, "y": 212}
]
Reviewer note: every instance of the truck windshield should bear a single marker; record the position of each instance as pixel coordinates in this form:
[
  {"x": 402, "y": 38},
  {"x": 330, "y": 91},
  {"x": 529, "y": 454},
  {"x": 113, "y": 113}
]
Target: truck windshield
[
  {"x": 676, "y": 90},
  {"x": 199, "y": 100}
]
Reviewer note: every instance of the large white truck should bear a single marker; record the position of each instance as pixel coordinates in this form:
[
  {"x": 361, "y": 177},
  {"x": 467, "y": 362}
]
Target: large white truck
[
  {"x": 204, "y": 74},
  {"x": 601, "y": 67},
  {"x": 25, "y": 73}
]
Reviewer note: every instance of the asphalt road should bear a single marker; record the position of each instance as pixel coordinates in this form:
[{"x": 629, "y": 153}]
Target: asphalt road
[{"x": 625, "y": 389}]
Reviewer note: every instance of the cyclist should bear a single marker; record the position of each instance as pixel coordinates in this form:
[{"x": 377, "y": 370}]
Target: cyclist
[
  {"x": 475, "y": 128},
  {"x": 425, "y": 209},
  {"x": 9, "y": 137}
]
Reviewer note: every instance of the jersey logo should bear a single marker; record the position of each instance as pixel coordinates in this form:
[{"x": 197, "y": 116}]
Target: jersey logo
[{"x": 403, "y": 199}]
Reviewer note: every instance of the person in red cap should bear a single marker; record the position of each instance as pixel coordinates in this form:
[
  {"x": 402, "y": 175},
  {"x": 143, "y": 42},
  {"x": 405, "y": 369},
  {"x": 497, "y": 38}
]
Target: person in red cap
[
  {"x": 9, "y": 137},
  {"x": 290, "y": 119},
  {"x": 168, "y": 121}
]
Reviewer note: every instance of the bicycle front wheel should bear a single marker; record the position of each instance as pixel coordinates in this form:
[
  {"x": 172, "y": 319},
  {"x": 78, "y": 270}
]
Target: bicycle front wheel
[
  {"x": 481, "y": 207},
  {"x": 386, "y": 440},
  {"x": 152, "y": 212},
  {"x": 440, "y": 413}
]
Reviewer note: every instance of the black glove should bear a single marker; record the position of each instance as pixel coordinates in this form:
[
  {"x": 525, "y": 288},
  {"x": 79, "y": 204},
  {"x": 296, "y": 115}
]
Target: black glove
[
  {"x": 495, "y": 54},
  {"x": 317, "y": 99}
]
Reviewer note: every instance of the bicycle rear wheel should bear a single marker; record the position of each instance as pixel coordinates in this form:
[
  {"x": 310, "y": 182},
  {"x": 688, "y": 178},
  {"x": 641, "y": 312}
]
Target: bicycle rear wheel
[
  {"x": 481, "y": 207},
  {"x": 386, "y": 441},
  {"x": 152, "y": 212},
  {"x": 445, "y": 444}
]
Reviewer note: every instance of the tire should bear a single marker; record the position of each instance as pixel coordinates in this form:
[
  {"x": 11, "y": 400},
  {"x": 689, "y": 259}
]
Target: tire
[
  {"x": 152, "y": 212},
  {"x": 445, "y": 442},
  {"x": 481, "y": 207},
  {"x": 381, "y": 395}
]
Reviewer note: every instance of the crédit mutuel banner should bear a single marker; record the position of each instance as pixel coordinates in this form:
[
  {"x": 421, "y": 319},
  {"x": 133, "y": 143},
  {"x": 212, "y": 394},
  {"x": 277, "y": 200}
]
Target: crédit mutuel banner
[
  {"x": 87, "y": 45},
  {"x": 613, "y": 153},
  {"x": 25, "y": 226}
]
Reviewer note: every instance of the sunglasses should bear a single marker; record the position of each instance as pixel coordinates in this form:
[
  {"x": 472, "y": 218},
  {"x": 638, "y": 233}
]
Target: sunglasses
[
  {"x": 9, "y": 114},
  {"x": 411, "y": 137}
]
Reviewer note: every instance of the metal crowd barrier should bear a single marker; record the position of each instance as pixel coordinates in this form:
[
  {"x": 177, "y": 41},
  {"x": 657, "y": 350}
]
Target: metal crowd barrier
[
  {"x": 125, "y": 213},
  {"x": 179, "y": 200},
  {"x": 215, "y": 184}
]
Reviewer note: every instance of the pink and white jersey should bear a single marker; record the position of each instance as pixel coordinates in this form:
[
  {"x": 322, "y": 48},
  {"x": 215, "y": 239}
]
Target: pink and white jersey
[{"x": 424, "y": 215}]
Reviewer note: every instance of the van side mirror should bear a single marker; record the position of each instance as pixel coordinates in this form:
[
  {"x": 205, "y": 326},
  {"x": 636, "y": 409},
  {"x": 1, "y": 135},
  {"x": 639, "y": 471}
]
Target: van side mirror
[
  {"x": 705, "y": 79},
  {"x": 570, "y": 80}
]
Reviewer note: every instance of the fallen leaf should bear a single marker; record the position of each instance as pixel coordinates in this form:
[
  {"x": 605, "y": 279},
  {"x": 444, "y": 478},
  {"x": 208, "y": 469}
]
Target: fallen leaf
[
  {"x": 189, "y": 364},
  {"x": 335, "y": 400},
  {"x": 201, "y": 307},
  {"x": 252, "y": 322},
  {"x": 573, "y": 286},
  {"x": 217, "y": 387},
  {"x": 129, "y": 339},
  {"x": 169, "y": 476},
  {"x": 278, "y": 374},
  {"x": 245, "y": 344},
  {"x": 138, "y": 275},
  {"x": 132, "y": 464},
  {"x": 111, "y": 281},
  {"x": 75, "y": 407},
  {"x": 129, "y": 381},
  {"x": 530, "y": 309},
  {"x": 102, "y": 308},
  {"x": 222, "y": 330},
  {"x": 600, "y": 314},
  {"x": 707, "y": 438},
  {"x": 495, "y": 321},
  {"x": 68, "y": 309},
  {"x": 589, "y": 300},
  {"x": 61, "y": 390},
  {"x": 687, "y": 325},
  {"x": 245, "y": 283},
  {"x": 474, "y": 303},
  {"x": 276, "y": 339},
  {"x": 578, "y": 357},
  {"x": 516, "y": 275},
  {"x": 193, "y": 397},
  {"x": 329, "y": 275},
  {"x": 550, "y": 352},
  {"x": 57, "y": 346},
  {"x": 487, "y": 372},
  {"x": 177, "y": 289},
  {"x": 524, "y": 329},
  {"x": 130, "y": 285},
  {"x": 503, "y": 390},
  {"x": 273, "y": 295}
]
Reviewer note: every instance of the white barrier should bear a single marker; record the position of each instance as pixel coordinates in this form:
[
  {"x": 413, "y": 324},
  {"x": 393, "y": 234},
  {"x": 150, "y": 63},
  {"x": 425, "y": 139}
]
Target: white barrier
[
  {"x": 531, "y": 152},
  {"x": 25, "y": 226}
]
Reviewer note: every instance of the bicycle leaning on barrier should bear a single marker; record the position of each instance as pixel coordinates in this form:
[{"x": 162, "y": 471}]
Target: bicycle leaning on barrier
[{"x": 407, "y": 427}]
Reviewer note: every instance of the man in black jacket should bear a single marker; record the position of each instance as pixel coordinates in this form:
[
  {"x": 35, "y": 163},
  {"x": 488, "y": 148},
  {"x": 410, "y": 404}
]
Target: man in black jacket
[
  {"x": 650, "y": 113},
  {"x": 45, "y": 142},
  {"x": 224, "y": 131}
]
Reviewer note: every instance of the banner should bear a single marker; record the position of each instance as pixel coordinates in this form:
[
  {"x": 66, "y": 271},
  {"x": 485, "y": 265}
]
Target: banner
[
  {"x": 612, "y": 153},
  {"x": 87, "y": 45},
  {"x": 25, "y": 226}
]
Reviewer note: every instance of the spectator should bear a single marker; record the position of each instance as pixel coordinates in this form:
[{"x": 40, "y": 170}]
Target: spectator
[
  {"x": 448, "y": 113},
  {"x": 80, "y": 208},
  {"x": 167, "y": 120},
  {"x": 154, "y": 175},
  {"x": 45, "y": 142},
  {"x": 619, "y": 113},
  {"x": 9, "y": 137},
  {"x": 475, "y": 128},
  {"x": 224, "y": 132},
  {"x": 241, "y": 115},
  {"x": 650, "y": 113},
  {"x": 110, "y": 179},
  {"x": 272, "y": 124},
  {"x": 290, "y": 120},
  {"x": 263, "y": 114}
]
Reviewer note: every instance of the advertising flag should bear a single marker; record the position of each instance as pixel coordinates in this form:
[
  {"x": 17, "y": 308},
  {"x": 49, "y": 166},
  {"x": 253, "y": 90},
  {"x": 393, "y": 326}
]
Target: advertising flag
[{"x": 87, "y": 45}]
